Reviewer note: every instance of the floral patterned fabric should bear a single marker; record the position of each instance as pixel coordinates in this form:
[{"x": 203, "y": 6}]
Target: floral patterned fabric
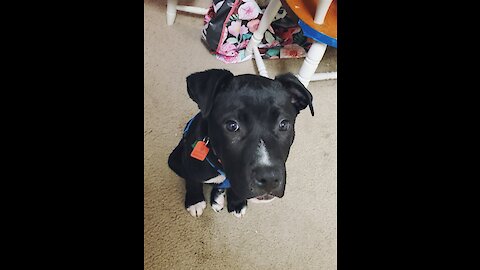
[{"x": 229, "y": 25}]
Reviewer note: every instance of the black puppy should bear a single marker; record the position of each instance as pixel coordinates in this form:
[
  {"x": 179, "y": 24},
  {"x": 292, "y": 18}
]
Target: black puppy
[{"x": 240, "y": 140}]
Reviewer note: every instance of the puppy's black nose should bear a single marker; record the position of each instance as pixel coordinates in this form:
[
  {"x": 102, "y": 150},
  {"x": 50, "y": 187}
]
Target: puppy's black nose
[{"x": 266, "y": 178}]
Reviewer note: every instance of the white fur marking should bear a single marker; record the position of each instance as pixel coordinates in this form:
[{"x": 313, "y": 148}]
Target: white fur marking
[
  {"x": 218, "y": 202},
  {"x": 242, "y": 212},
  {"x": 215, "y": 180},
  {"x": 217, "y": 207},
  {"x": 262, "y": 154},
  {"x": 255, "y": 200},
  {"x": 196, "y": 210}
]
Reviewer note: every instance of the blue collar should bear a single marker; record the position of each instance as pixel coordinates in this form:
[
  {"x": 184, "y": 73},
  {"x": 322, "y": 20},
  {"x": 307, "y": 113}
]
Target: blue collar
[{"x": 226, "y": 183}]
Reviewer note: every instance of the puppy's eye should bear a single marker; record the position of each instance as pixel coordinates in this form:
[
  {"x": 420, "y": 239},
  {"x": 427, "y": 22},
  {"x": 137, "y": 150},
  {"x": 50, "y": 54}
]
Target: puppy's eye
[
  {"x": 231, "y": 125},
  {"x": 284, "y": 125}
]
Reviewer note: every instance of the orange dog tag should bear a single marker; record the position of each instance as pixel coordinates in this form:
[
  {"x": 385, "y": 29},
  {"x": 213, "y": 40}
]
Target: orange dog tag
[{"x": 200, "y": 151}]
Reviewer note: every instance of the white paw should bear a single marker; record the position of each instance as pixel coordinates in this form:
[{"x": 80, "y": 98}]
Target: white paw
[
  {"x": 196, "y": 210},
  {"x": 218, "y": 202},
  {"x": 242, "y": 212},
  {"x": 217, "y": 207}
]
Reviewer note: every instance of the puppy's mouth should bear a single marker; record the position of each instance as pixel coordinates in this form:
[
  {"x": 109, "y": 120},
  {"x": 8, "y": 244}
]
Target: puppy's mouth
[{"x": 265, "y": 198}]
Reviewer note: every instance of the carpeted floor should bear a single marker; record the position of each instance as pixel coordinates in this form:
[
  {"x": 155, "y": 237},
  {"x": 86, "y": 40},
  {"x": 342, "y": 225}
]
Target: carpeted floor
[{"x": 298, "y": 231}]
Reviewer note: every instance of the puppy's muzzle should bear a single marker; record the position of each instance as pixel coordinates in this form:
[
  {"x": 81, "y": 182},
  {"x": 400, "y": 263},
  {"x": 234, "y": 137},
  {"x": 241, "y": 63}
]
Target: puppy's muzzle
[
  {"x": 266, "y": 178},
  {"x": 267, "y": 183}
]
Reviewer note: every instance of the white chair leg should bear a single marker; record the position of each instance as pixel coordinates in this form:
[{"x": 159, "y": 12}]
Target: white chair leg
[
  {"x": 194, "y": 10},
  {"x": 310, "y": 64},
  {"x": 171, "y": 11},
  {"x": 267, "y": 18},
  {"x": 262, "y": 70},
  {"x": 322, "y": 8},
  {"x": 324, "y": 76}
]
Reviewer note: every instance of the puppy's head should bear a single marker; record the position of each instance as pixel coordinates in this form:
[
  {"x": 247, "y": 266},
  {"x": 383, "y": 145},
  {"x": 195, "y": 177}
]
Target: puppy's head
[{"x": 251, "y": 126}]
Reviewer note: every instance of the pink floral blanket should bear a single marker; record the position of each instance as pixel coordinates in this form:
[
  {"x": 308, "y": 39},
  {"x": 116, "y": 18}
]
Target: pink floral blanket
[{"x": 229, "y": 25}]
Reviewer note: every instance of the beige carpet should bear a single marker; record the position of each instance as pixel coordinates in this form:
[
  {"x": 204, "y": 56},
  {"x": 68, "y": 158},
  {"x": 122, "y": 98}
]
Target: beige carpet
[{"x": 298, "y": 231}]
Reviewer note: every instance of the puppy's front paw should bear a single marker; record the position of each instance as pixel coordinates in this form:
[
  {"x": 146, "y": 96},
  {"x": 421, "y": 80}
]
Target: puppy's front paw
[
  {"x": 196, "y": 210},
  {"x": 217, "y": 199},
  {"x": 238, "y": 210},
  {"x": 240, "y": 213}
]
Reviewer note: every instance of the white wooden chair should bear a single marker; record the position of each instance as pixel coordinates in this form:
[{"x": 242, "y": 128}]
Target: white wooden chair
[
  {"x": 318, "y": 20},
  {"x": 172, "y": 7}
]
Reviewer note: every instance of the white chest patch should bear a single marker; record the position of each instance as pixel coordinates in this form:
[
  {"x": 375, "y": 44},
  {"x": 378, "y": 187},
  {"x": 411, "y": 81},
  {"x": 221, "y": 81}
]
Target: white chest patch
[
  {"x": 215, "y": 180},
  {"x": 262, "y": 155}
]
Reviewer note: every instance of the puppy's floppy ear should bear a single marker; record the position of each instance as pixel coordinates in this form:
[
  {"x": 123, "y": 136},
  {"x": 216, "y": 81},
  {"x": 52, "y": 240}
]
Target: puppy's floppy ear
[
  {"x": 202, "y": 87},
  {"x": 301, "y": 97}
]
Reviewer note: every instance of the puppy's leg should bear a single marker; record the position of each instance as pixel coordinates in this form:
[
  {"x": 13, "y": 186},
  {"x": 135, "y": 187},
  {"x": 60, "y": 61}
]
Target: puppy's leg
[
  {"x": 237, "y": 206},
  {"x": 217, "y": 199},
  {"x": 194, "y": 199},
  {"x": 175, "y": 160}
]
